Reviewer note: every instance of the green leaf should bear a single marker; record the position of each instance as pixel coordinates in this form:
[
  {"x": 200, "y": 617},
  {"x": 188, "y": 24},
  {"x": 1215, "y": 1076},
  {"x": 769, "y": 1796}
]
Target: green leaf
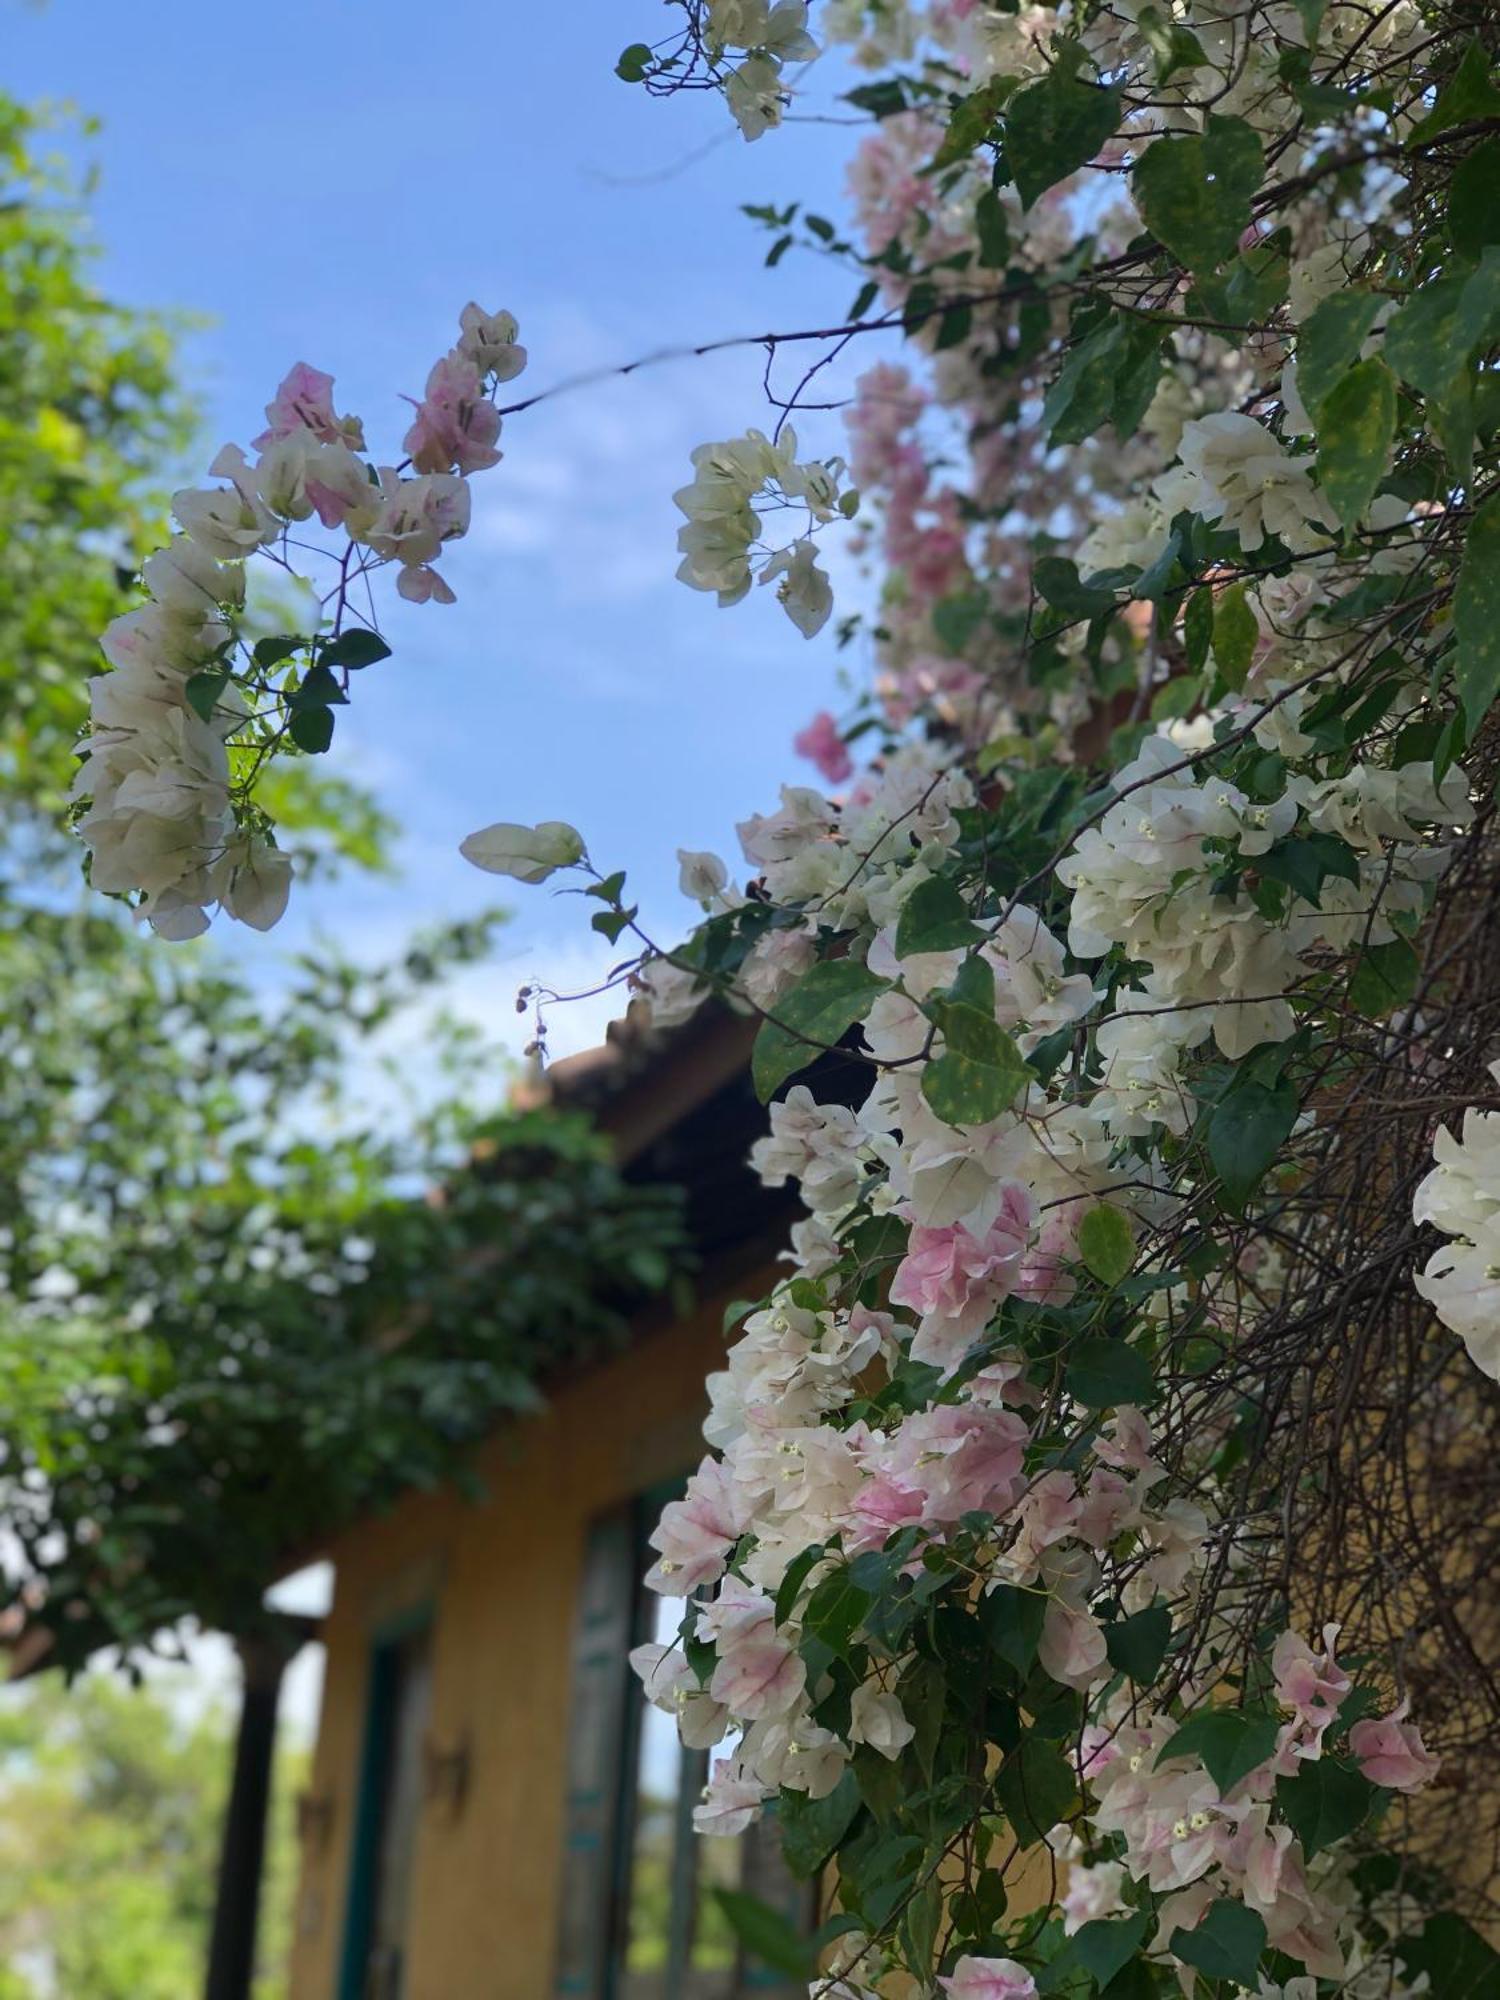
[
  {"x": 1103, "y": 1373},
  {"x": 1198, "y": 627},
  {"x": 1134, "y": 1981},
  {"x": 354, "y": 648},
  {"x": 1323, "y": 1802},
  {"x": 1101, "y": 1948},
  {"x": 886, "y": 99},
  {"x": 835, "y": 1610},
  {"x": 1476, "y": 616},
  {"x": 935, "y": 917},
  {"x": 922, "y": 1920},
  {"x": 1173, "y": 46},
  {"x": 1055, "y": 126},
  {"x": 1229, "y": 1743},
  {"x": 1109, "y": 377},
  {"x": 956, "y": 619},
  {"x": 1246, "y": 1130},
  {"x": 634, "y": 63},
  {"x": 1138, "y": 369},
  {"x": 816, "y": 1014},
  {"x": 1422, "y": 340},
  {"x": 1056, "y": 579},
  {"x": 1469, "y": 93},
  {"x": 797, "y": 1570},
  {"x": 811, "y": 1829},
  {"x": 1257, "y": 281},
  {"x": 954, "y": 327},
  {"x": 1456, "y": 1959},
  {"x": 610, "y": 923},
  {"x": 1304, "y": 861},
  {"x": 980, "y": 1909},
  {"x": 1011, "y": 1619},
  {"x": 311, "y": 729},
  {"x": 1226, "y": 1943},
  {"x": 270, "y": 652},
  {"x": 1473, "y": 212},
  {"x": 993, "y": 231},
  {"x": 1078, "y": 401},
  {"x": 1385, "y": 978},
  {"x": 924, "y": 1697},
  {"x": 1330, "y": 341},
  {"x": 972, "y": 120},
  {"x": 766, "y": 1934},
  {"x": 1236, "y": 635},
  {"x": 1194, "y": 193},
  {"x": 973, "y": 986},
  {"x": 980, "y": 1073},
  {"x": 1430, "y": 343},
  {"x": 1312, "y": 12},
  {"x": 1137, "y": 1645},
  {"x": 882, "y": 1786},
  {"x": 318, "y": 688},
  {"x": 1355, "y": 429},
  {"x": 202, "y": 691},
  {"x": 1165, "y": 574},
  {"x": 1105, "y": 1243},
  {"x": 1037, "y": 1786}
]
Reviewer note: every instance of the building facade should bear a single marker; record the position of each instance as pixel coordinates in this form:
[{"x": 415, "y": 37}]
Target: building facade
[{"x": 493, "y": 1812}]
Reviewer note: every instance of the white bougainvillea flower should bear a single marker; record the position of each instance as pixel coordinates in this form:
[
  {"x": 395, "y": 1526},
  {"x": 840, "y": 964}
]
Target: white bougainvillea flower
[
  {"x": 529, "y": 853},
  {"x": 754, "y": 95},
  {"x": 489, "y": 340},
  {"x": 804, "y": 592},
  {"x": 1233, "y": 471}
]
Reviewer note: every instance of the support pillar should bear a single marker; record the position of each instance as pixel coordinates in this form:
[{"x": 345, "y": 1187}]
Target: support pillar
[{"x": 264, "y": 1659}]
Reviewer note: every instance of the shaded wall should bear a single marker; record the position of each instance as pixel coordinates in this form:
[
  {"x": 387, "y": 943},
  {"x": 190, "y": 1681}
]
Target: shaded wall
[{"x": 501, "y": 1578}]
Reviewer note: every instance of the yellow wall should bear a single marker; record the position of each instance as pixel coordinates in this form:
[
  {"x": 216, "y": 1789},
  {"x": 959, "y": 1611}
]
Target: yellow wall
[{"x": 502, "y": 1578}]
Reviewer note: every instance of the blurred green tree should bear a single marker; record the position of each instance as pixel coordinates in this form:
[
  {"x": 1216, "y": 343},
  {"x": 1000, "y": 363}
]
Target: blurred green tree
[
  {"x": 232, "y": 1309},
  {"x": 110, "y": 1800},
  {"x": 92, "y": 422}
]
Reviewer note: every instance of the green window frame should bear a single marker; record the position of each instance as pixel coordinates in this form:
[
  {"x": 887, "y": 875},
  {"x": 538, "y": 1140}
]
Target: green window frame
[
  {"x": 636, "y": 1923},
  {"x": 387, "y": 1683}
]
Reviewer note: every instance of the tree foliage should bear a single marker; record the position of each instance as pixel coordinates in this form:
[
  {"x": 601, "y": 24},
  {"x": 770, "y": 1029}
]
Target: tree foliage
[
  {"x": 1159, "y": 925},
  {"x": 110, "y": 1802},
  {"x": 238, "y": 1312},
  {"x": 236, "y": 1303}
]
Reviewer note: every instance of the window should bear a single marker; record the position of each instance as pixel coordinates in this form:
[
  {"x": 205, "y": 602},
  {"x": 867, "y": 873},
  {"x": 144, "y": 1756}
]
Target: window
[
  {"x": 390, "y": 1800},
  {"x": 640, "y": 1921},
  {"x": 676, "y": 1943}
]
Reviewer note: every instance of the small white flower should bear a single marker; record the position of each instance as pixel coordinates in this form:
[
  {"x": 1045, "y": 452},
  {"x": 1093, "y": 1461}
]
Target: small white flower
[
  {"x": 804, "y": 592},
  {"x": 701, "y": 877}
]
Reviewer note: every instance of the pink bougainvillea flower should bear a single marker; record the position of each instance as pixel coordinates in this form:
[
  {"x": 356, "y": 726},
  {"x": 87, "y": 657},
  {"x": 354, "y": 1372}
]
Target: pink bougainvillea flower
[{"x": 822, "y": 745}]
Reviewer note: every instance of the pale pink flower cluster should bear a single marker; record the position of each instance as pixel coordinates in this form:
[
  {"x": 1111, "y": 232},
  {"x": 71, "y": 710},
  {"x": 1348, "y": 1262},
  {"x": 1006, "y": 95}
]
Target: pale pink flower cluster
[
  {"x": 790, "y": 1473},
  {"x": 993, "y": 1212},
  {"x": 893, "y": 197},
  {"x": 1185, "y": 1837},
  {"x": 962, "y": 491},
  {"x": 823, "y": 746},
  {"x": 989, "y": 1979},
  {"x": 922, "y": 546},
  {"x": 161, "y": 816}
]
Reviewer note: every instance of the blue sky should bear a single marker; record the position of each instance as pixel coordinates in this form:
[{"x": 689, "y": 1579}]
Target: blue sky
[{"x": 331, "y": 182}]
